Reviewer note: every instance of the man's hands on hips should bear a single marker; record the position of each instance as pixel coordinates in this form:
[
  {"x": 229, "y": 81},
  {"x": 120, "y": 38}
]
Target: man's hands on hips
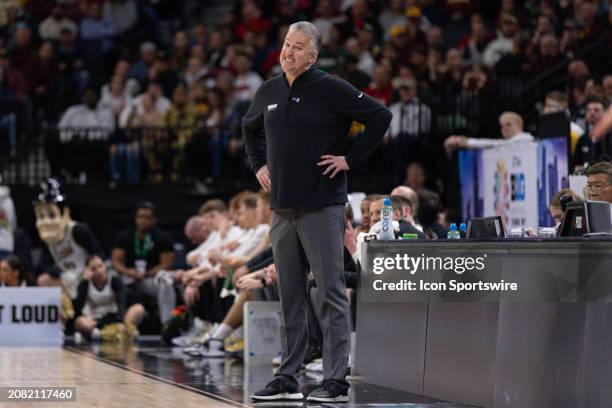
[
  {"x": 335, "y": 164},
  {"x": 263, "y": 176}
]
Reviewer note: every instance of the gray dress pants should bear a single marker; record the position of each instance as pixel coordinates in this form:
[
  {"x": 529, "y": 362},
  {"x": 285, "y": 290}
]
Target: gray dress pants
[{"x": 306, "y": 240}]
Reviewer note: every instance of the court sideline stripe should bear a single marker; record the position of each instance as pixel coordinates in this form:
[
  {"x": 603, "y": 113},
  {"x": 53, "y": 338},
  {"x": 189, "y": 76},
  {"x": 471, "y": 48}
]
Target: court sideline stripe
[{"x": 161, "y": 379}]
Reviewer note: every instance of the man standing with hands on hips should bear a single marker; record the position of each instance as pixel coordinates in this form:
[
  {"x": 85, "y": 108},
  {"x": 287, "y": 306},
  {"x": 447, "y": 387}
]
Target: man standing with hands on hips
[{"x": 294, "y": 133}]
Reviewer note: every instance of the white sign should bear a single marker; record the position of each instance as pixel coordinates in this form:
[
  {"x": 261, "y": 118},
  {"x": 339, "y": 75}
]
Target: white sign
[
  {"x": 261, "y": 332},
  {"x": 30, "y": 317},
  {"x": 510, "y": 184}
]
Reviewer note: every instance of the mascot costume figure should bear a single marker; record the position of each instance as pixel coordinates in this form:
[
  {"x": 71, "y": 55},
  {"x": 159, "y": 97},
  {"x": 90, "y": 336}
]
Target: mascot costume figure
[{"x": 69, "y": 243}]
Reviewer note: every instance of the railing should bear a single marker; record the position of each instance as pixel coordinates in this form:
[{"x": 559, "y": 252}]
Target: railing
[{"x": 135, "y": 155}]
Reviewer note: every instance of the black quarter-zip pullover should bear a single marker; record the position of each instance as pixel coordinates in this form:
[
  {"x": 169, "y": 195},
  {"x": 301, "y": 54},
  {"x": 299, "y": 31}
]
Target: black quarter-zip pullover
[{"x": 289, "y": 128}]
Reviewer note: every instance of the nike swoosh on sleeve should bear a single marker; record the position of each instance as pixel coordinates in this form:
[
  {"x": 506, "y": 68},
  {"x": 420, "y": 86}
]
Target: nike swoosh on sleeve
[{"x": 360, "y": 94}]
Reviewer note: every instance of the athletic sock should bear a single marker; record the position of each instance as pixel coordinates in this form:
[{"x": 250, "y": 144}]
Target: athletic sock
[{"x": 222, "y": 332}]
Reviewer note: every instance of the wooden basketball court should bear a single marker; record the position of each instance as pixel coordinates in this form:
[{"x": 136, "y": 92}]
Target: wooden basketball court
[{"x": 98, "y": 383}]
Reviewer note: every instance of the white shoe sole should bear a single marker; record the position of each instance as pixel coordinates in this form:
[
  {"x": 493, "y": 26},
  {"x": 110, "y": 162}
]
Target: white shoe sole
[
  {"x": 278, "y": 397},
  {"x": 212, "y": 355},
  {"x": 340, "y": 398}
]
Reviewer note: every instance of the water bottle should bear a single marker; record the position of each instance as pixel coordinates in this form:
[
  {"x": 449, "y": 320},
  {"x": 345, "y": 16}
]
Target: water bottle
[
  {"x": 166, "y": 296},
  {"x": 453, "y": 233},
  {"x": 386, "y": 221},
  {"x": 463, "y": 230}
]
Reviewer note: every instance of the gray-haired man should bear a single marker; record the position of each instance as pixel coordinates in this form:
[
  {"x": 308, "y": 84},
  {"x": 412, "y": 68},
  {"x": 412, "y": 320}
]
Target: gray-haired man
[{"x": 294, "y": 133}]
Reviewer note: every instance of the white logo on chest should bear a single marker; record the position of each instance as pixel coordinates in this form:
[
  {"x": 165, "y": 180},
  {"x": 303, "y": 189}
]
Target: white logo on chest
[
  {"x": 272, "y": 107},
  {"x": 297, "y": 100}
]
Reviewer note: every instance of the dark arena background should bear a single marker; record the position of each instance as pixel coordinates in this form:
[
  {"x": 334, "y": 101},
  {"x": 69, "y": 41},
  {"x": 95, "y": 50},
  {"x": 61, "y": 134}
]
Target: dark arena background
[{"x": 136, "y": 266}]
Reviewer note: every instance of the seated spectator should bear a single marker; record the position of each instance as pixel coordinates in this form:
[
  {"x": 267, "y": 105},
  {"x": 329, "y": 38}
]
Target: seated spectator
[
  {"x": 221, "y": 259},
  {"x": 87, "y": 116},
  {"x": 365, "y": 224},
  {"x": 410, "y": 127},
  {"x": 410, "y": 195},
  {"x": 556, "y": 101},
  {"x": 366, "y": 62},
  {"x": 122, "y": 69},
  {"x": 74, "y": 76},
  {"x": 569, "y": 38},
  {"x": 182, "y": 117},
  {"x": 141, "y": 68},
  {"x": 473, "y": 47},
  {"x": 599, "y": 182},
  {"x": 428, "y": 215},
  {"x": 252, "y": 20},
  {"x": 216, "y": 50},
  {"x": 246, "y": 81},
  {"x": 50, "y": 28},
  {"x": 547, "y": 55},
  {"x": 508, "y": 28},
  {"x": 86, "y": 119},
  {"x": 356, "y": 17},
  {"x": 180, "y": 51},
  {"x": 115, "y": 96},
  {"x": 143, "y": 128},
  {"x": 325, "y": 19},
  {"x": 555, "y": 205},
  {"x": 255, "y": 217},
  {"x": 13, "y": 273},
  {"x": 96, "y": 27},
  {"x": 197, "y": 231},
  {"x": 400, "y": 225},
  {"x": 393, "y": 16},
  {"x": 200, "y": 293},
  {"x": 8, "y": 222},
  {"x": 381, "y": 87},
  {"x": 194, "y": 72},
  {"x": 42, "y": 78},
  {"x": 511, "y": 125},
  {"x": 588, "y": 150},
  {"x": 154, "y": 94},
  {"x": 199, "y": 51},
  {"x": 415, "y": 177},
  {"x": 406, "y": 218},
  {"x": 232, "y": 254},
  {"x": 139, "y": 254},
  {"x": 123, "y": 14},
  {"x": 218, "y": 109},
  {"x": 161, "y": 73},
  {"x": 544, "y": 26},
  {"x": 22, "y": 51},
  {"x": 7, "y": 96},
  {"x": 214, "y": 213},
  {"x": 100, "y": 302}
]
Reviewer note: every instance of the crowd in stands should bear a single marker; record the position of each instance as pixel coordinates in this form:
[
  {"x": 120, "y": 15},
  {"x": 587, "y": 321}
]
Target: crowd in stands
[{"x": 125, "y": 71}]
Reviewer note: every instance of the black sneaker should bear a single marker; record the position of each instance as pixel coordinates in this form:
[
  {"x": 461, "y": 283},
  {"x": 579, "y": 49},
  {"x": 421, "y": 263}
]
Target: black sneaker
[
  {"x": 330, "y": 391},
  {"x": 278, "y": 389}
]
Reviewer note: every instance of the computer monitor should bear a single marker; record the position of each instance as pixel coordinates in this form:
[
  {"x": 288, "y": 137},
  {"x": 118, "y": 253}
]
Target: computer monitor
[
  {"x": 585, "y": 217},
  {"x": 485, "y": 227}
]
